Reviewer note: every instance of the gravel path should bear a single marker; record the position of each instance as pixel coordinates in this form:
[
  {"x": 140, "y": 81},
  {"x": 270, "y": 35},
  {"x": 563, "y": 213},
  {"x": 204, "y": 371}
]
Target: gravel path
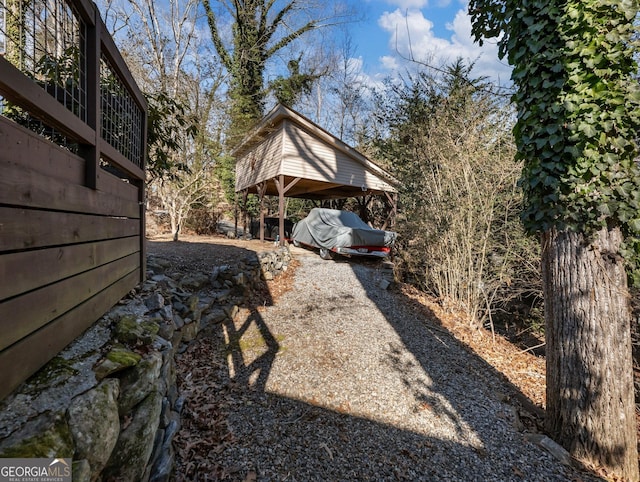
[{"x": 341, "y": 380}]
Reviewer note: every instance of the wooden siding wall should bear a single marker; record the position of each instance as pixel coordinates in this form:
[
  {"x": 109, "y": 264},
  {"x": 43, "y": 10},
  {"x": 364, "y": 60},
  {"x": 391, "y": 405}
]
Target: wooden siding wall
[
  {"x": 71, "y": 233},
  {"x": 261, "y": 163},
  {"x": 308, "y": 157}
]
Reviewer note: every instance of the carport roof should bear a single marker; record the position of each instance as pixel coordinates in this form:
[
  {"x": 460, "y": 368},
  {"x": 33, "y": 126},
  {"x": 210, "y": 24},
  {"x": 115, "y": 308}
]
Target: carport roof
[{"x": 346, "y": 172}]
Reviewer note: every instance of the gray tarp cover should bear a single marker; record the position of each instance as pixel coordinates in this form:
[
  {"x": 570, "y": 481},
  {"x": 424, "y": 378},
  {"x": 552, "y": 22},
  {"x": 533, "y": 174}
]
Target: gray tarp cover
[{"x": 331, "y": 228}]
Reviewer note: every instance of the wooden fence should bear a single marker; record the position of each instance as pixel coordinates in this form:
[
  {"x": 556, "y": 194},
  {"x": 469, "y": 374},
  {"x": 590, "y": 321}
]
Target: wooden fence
[{"x": 72, "y": 159}]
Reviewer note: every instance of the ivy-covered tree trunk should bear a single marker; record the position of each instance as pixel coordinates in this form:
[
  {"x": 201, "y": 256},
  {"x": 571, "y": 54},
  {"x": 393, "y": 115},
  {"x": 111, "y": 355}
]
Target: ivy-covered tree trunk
[
  {"x": 590, "y": 399},
  {"x": 260, "y": 29},
  {"x": 578, "y": 102}
]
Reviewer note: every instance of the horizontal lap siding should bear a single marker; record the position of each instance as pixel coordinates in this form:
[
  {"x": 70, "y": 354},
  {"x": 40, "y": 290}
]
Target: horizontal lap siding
[
  {"x": 38, "y": 174},
  {"x": 27, "y": 187},
  {"x": 68, "y": 253},
  {"x": 23, "y": 314},
  {"x": 26, "y": 356},
  {"x": 28, "y": 228},
  {"x": 21, "y": 147},
  {"x": 308, "y": 157},
  {"x": 261, "y": 163},
  {"x": 46, "y": 266}
]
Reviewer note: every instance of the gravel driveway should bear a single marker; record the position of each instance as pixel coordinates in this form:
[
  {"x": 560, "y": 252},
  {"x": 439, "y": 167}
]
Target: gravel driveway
[{"x": 341, "y": 380}]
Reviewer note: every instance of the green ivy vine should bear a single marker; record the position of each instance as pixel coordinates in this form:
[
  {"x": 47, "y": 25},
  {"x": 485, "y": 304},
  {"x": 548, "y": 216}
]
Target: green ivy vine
[{"x": 578, "y": 102}]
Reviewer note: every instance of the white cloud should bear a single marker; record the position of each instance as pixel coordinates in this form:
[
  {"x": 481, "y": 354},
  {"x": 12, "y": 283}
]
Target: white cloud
[
  {"x": 389, "y": 62},
  {"x": 412, "y": 37},
  {"x": 358, "y": 75},
  {"x": 413, "y": 4},
  {"x": 354, "y": 64}
]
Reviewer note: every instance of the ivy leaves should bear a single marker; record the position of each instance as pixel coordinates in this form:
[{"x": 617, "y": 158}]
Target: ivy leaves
[{"x": 578, "y": 108}]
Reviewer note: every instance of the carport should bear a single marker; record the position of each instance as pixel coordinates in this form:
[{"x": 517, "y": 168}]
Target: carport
[{"x": 287, "y": 155}]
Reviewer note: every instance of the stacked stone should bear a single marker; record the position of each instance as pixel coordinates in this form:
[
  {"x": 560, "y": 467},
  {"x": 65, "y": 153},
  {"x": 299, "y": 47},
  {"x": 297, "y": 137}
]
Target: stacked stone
[
  {"x": 110, "y": 400},
  {"x": 273, "y": 263},
  {"x": 386, "y": 273}
]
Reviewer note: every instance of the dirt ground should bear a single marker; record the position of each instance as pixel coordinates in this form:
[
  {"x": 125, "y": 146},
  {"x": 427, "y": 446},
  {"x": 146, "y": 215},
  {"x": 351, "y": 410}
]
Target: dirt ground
[{"x": 195, "y": 252}]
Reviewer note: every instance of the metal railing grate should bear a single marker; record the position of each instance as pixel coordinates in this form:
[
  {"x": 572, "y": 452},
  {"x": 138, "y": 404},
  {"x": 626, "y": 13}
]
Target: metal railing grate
[
  {"x": 22, "y": 117},
  {"x": 122, "y": 120},
  {"x": 46, "y": 40}
]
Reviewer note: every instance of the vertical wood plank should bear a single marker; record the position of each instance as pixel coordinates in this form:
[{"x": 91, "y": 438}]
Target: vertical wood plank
[
  {"x": 245, "y": 213},
  {"x": 261, "y": 190},
  {"x": 235, "y": 216},
  {"x": 142, "y": 190},
  {"x": 91, "y": 153}
]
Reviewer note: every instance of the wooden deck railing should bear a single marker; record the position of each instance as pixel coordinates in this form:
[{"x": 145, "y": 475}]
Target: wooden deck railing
[{"x": 72, "y": 172}]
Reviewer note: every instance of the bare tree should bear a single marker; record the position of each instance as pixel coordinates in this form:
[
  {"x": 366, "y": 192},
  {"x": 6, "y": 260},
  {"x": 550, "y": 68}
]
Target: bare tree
[
  {"x": 168, "y": 56},
  {"x": 448, "y": 140},
  {"x": 158, "y": 38},
  {"x": 350, "y": 92}
]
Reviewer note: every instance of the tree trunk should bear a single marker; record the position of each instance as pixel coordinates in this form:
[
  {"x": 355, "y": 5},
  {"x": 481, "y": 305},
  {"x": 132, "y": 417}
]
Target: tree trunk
[
  {"x": 175, "y": 228},
  {"x": 590, "y": 398}
]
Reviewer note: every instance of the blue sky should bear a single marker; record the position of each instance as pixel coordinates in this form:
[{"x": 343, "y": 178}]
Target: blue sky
[{"x": 435, "y": 31}]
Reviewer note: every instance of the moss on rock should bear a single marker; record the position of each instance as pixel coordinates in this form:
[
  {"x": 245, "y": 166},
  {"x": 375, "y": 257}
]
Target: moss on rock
[
  {"x": 124, "y": 357},
  {"x": 118, "y": 359},
  {"x": 56, "y": 371},
  {"x": 129, "y": 330},
  {"x": 47, "y": 436}
]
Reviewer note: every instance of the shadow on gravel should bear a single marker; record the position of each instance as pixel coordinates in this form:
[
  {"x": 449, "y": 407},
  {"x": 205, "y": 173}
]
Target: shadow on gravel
[
  {"x": 232, "y": 429},
  {"x": 250, "y": 334},
  {"x": 451, "y": 354},
  {"x": 448, "y": 362}
]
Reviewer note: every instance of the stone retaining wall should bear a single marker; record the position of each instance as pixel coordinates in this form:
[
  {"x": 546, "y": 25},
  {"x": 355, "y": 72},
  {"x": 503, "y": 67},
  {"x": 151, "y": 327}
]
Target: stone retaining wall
[{"x": 110, "y": 400}]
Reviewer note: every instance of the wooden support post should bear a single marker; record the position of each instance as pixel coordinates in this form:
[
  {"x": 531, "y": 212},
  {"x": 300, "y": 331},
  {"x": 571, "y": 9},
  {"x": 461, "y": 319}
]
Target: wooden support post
[
  {"x": 91, "y": 153},
  {"x": 245, "y": 212},
  {"x": 282, "y": 190},
  {"x": 262, "y": 187},
  {"x": 143, "y": 201},
  {"x": 142, "y": 181},
  {"x": 235, "y": 216}
]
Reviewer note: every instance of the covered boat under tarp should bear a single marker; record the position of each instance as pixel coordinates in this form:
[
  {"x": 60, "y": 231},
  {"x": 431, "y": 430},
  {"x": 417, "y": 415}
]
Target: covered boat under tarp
[{"x": 332, "y": 229}]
